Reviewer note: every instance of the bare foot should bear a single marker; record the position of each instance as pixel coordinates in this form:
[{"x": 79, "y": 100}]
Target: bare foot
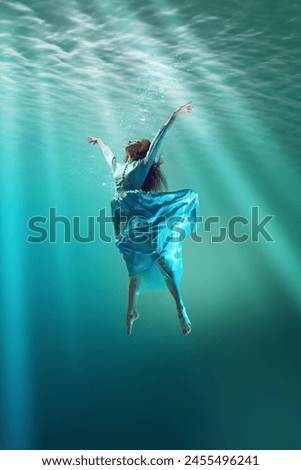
[
  {"x": 184, "y": 322},
  {"x": 130, "y": 318}
]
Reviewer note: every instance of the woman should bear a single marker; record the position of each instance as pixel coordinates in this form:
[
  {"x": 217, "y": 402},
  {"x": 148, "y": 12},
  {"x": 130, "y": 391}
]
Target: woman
[{"x": 146, "y": 221}]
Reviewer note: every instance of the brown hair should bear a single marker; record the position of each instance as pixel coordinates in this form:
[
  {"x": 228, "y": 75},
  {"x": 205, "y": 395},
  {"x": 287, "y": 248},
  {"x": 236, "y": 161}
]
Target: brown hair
[{"x": 155, "y": 179}]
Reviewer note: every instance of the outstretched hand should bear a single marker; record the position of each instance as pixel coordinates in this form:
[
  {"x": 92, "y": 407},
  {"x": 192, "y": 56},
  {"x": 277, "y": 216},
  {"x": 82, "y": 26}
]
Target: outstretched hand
[
  {"x": 185, "y": 108},
  {"x": 93, "y": 140}
]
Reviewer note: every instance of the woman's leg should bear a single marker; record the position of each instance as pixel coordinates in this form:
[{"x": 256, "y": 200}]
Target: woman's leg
[
  {"x": 132, "y": 313},
  {"x": 173, "y": 281}
]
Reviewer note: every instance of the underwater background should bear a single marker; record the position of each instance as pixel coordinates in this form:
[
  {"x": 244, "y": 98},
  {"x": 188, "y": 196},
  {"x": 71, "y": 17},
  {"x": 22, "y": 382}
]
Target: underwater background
[{"x": 70, "y": 378}]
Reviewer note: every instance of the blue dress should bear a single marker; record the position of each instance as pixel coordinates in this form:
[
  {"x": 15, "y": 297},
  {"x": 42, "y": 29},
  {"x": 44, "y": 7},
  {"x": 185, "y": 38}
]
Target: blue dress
[{"x": 149, "y": 225}]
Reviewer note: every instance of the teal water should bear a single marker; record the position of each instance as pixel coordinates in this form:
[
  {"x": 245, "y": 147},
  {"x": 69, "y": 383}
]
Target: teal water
[{"x": 70, "y": 378}]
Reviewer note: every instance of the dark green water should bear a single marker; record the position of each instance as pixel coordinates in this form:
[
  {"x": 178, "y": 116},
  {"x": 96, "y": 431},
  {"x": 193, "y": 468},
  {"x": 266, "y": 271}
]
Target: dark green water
[{"x": 70, "y": 378}]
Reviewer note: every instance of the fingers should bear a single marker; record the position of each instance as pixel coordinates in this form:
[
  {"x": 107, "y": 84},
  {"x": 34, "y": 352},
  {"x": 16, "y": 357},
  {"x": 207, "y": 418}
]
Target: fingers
[
  {"x": 187, "y": 107},
  {"x": 92, "y": 140},
  {"x": 186, "y": 104}
]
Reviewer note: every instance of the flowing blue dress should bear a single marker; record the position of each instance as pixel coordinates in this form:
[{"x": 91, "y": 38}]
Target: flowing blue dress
[{"x": 149, "y": 226}]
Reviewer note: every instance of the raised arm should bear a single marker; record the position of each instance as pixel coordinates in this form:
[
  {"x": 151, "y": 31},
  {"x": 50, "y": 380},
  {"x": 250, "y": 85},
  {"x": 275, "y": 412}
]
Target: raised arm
[
  {"x": 106, "y": 151},
  {"x": 156, "y": 143}
]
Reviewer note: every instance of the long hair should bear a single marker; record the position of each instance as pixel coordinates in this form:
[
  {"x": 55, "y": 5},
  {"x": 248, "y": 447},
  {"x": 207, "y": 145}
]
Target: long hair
[{"x": 155, "y": 179}]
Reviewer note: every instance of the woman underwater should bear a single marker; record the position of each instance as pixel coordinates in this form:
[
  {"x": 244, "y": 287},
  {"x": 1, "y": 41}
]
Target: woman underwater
[{"x": 150, "y": 224}]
